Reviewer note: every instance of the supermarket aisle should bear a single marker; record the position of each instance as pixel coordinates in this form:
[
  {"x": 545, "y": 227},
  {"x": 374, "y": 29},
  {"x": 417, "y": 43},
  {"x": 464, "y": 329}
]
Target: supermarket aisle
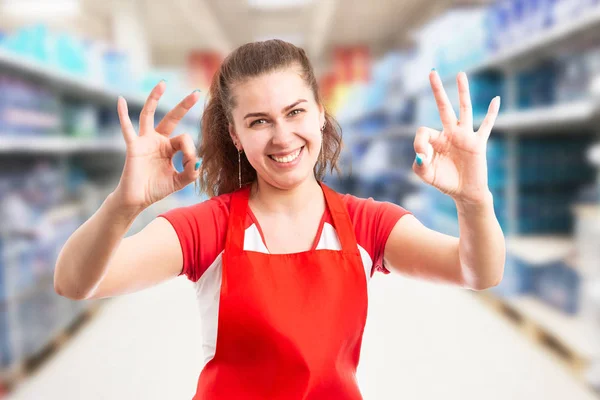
[{"x": 422, "y": 341}]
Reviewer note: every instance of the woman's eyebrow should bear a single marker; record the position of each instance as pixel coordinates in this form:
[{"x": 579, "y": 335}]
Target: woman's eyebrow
[{"x": 262, "y": 114}]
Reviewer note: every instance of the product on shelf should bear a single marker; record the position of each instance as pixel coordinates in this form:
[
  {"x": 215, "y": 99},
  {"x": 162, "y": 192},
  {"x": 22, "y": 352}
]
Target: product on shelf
[
  {"x": 510, "y": 21},
  {"x": 536, "y": 86},
  {"x": 27, "y": 109}
]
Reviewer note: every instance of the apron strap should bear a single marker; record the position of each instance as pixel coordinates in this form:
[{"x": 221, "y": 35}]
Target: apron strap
[
  {"x": 337, "y": 209},
  {"x": 237, "y": 220},
  {"x": 341, "y": 220}
]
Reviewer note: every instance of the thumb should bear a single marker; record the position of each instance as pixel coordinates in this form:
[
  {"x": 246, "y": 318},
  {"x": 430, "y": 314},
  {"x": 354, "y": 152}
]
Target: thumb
[
  {"x": 188, "y": 175},
  {"x": 422, "y": 166},
  {"x": 191, "y": 165}
]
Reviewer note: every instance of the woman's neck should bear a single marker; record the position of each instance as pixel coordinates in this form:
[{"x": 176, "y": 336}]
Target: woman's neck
[{"x": 292, "y": 201}]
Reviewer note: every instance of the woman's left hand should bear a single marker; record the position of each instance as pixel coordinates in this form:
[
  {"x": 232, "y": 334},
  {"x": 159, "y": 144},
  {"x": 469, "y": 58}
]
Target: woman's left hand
[{"x": 454, "y": 160}]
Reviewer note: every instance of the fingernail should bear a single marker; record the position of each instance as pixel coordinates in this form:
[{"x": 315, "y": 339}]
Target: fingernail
[
  {"x": 197, "y": 90},
  {"x": 419, "y": 160},
  {"x": 433, "y": 69},
  {"x": 163, "y": 80},
  {"x": 197, "y": 165}
]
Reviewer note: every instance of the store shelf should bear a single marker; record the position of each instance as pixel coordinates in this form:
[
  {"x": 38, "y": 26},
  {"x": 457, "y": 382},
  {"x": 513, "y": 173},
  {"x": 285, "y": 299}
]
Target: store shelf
[
  {"x": 392, "y": 132},
  {"x": 573, "y": 331},
  {"x": 540, "y": 249},
  {"x": 569, "y": 340},
  {"x": 533, "y": 48},
  {"x": 60, "y": 145},
  {"x": 538, "y": 46},
  {"x": 79, "y": 86},
  {"x": 552, "y": 119}
]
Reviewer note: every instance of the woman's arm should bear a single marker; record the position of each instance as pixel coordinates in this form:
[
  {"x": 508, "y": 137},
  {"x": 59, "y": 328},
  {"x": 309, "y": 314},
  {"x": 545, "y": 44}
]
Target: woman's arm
[
  {"x": 474, "y": 261},
  {"x": 97, "y": 262},
  {"x": 453, "y": 161}
]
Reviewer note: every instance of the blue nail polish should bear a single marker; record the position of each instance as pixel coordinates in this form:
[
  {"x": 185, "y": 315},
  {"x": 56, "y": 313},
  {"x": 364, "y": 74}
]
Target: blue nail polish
[
  {"x": 197, "y": 90},
  {"x": 197, "y": 165},
  {"x": 419, "y": 160},
  {"x": 433, "y": 69}
]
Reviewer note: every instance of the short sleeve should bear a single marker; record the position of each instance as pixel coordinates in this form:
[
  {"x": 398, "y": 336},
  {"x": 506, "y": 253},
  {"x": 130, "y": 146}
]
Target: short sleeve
[
  {"x": 202, "y": 230},
  {"x": 373, "y": 222}
]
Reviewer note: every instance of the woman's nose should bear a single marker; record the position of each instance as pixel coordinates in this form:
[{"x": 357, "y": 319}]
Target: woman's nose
[{"x": 282, "y": 134}]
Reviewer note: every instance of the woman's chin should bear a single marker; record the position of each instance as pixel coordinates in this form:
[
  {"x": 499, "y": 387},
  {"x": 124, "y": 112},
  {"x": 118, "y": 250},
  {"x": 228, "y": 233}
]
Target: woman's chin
[{"x": 289, "y": 180}]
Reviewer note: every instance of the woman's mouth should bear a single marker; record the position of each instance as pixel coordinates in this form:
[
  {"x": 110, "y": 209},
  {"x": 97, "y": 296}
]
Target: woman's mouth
[{"x": 287, "y": 158}]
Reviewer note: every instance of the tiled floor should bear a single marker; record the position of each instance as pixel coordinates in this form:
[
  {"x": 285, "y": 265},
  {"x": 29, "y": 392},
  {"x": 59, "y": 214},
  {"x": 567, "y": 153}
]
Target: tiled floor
[{"x": 422, "y": 341}]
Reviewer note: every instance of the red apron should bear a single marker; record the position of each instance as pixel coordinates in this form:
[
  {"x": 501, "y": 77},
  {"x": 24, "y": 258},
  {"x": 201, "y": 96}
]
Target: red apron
[{"x": 290, "y": 326}]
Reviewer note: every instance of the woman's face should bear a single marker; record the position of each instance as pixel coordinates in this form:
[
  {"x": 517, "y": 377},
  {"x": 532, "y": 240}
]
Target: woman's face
[{"x": 277, "y": 123}]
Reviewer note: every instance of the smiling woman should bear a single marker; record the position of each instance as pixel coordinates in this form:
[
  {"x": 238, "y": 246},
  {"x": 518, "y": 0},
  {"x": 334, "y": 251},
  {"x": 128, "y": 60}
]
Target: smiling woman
[
  {"x": 252, "y": 105},
  {"x": 280, "y": 262}
]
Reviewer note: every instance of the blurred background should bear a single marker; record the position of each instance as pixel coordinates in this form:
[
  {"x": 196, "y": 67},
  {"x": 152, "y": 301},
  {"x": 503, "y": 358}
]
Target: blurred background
[{"x": 535, "y": 336}]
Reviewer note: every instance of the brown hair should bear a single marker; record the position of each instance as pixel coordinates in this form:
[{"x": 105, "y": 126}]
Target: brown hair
[{"x": 219, "y": 169}]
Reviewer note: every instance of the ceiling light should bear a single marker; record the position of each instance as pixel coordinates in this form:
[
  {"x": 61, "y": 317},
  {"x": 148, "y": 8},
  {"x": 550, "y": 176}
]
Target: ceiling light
[{"x": 40, "y": 8}]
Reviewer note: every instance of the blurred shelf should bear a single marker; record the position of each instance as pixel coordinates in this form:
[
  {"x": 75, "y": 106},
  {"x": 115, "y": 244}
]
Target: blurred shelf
[
  {"x": 25, "y": 367},
  {"x": 572, "y": 330},
  {"x": 540, "y": 45},
  {"x": 540, "y": 249},
  {"x": 66, "y": 82},
  {"x": 60, "y": 145},
  {"x": 43, "y": 282},
  {"x": 532, "y": 48},
  {"x": 570, "y": 340},
  {"x": 552, "y": 119},
  {"x": 540, "y": 120},
  {"x": 392, "y": 132}
]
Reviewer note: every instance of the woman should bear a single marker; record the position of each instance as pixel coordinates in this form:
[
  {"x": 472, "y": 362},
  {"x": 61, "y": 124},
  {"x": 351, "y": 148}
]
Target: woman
[{"x": 283, "y": 308}]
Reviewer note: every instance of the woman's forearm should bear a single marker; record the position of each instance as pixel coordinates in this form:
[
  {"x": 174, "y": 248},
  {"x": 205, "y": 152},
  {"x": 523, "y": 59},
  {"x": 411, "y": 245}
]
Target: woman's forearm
[
  {"x": 83, "y": 260},
  {"x": 482, "y": 249}
]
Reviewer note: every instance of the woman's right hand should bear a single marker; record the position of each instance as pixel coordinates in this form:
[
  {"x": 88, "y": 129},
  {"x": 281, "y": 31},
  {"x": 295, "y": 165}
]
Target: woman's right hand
[{"x": 149, "y": 174}]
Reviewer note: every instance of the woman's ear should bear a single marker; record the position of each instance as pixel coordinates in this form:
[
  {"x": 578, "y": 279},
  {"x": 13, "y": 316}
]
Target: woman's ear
[
  {"x": 321, "y": 115},
  {"x": 234, "y": 138}
]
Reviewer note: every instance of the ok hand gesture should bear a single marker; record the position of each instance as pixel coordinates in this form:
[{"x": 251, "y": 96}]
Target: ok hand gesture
[
  {"x": 149, "y": 174},
  {"x": 454, "y": 160}
]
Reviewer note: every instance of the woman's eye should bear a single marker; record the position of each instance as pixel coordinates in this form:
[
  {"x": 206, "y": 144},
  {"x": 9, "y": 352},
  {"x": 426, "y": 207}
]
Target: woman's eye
[
  {"x": 257, "y": 121},
  {"x": 293, "y": 112}
]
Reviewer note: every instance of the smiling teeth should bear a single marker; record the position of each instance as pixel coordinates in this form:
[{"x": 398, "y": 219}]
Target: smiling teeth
[{"x": 288, "y": 158}]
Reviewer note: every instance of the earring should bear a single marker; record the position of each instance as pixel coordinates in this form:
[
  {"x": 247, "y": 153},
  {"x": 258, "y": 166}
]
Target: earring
[{"x": 240, "y": 167}]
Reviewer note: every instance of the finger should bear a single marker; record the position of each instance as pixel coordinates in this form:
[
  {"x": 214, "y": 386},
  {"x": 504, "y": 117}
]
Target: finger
[
  {"x": 464, "y": 95},
  {"x": 147, "y": 114},
  {"x": 173, "y": 117},
  {"x": 126, "y": 127},
  {"x": 490, "y": 119},
  {"x": 447, "y": 114},
  {"x": 422, "y": 144},
  {"x": 185, "y": 144}
]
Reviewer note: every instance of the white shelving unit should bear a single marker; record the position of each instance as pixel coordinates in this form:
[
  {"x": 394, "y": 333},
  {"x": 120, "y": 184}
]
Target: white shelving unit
[
  {"x": 543, "y": 44},
  {"x": 573, "y": 118},
  {"x": 552, "y": 119},
  {"x": 60, "y": 145},
  {"x": 68, "y": 83}
]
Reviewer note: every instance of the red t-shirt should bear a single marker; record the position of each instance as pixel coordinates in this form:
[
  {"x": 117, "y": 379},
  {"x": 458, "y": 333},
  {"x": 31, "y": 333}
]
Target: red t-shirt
[{"x": 202, "y": 229}]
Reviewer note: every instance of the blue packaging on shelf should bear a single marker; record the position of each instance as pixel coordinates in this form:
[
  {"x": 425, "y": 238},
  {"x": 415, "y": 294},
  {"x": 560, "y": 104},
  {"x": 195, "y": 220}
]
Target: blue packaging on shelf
[
  {"x": 536, "y": 87},
  {"x": 558, "y": 285},
  {"x": 519, "y": 278},
  {"x": 6, "y": 354}
]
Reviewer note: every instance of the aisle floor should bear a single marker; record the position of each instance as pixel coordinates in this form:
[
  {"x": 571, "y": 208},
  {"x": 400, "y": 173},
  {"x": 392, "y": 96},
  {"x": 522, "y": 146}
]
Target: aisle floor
[{"x": 422, "y": 341}]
